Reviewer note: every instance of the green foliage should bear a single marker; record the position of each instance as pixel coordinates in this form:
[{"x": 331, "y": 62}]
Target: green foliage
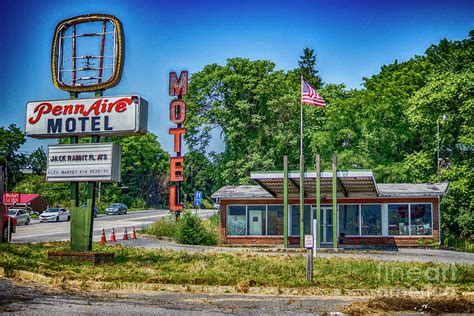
[
  {"x": 165, "y": 227},
  {"x": 191, "y": 230},
  {"x": 37, "y": 161},
  {"x": 56, "y": 194},
  {"x": 11, "y": 139},
  {"x": 390, "y": 125},
  {"x": 307, "y": 64}
]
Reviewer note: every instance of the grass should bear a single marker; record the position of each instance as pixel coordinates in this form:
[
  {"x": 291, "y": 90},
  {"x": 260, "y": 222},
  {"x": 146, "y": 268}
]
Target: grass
[
  {"x": 460, "y": 244},
  {"x": 286, "y": 271}
]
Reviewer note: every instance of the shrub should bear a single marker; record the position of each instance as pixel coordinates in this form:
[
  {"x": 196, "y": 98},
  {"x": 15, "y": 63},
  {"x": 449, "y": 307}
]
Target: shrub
[
  {"x": 165, "y": 227},
  {"x": 190, "y": 230}
]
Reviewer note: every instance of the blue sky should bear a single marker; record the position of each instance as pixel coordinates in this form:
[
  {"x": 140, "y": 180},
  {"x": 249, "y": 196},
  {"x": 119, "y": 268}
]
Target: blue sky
[{"x": 352, "y": 39}]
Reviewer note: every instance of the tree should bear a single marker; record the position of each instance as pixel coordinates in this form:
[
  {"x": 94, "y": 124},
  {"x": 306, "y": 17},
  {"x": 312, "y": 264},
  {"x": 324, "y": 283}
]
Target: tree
[
  {"x": 37, "y": 160},
  {"x": 307, "y": 67},
  {"x": 11, "y": 139}
]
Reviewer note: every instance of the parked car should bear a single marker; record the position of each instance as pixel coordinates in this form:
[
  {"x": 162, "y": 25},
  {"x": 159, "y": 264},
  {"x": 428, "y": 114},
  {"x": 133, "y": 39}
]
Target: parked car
[
  {"x": 55, "y": 215},
  {"x": 22, "y": 217},
  {"x": 116, "y": 208}
]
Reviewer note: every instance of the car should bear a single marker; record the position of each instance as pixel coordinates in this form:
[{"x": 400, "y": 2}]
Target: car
[
  {"x": 22, "y": 217},
  {"x": 116, "y": 208},
  {"x": 55, "y": 215}
]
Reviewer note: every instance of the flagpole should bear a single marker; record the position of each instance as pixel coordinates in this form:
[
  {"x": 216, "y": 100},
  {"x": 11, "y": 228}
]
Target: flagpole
[{"x": 301, "y": 170}]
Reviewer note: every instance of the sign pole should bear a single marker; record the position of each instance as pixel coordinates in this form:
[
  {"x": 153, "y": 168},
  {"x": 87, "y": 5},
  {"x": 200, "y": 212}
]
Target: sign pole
[
  {"x": 334, "y": 201},
  {"x": 301, "y": 170},
  {"x": 308, "y": 244},
  {"x": 285, "y": 200},
  {"x": 318, "y": 201},
  {"x": 74, "y": 193}
]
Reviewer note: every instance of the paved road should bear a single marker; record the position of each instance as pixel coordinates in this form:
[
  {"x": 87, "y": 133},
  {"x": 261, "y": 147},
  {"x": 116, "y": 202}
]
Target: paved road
[{"x": 41, "y": 232}]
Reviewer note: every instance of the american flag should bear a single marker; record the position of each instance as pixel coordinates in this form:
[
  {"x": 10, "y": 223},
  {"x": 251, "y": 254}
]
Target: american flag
[{"x": 310, "y": 96}]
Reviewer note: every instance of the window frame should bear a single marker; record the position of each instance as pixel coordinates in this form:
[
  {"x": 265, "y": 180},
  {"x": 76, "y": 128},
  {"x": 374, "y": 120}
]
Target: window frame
[{"x": 409, "y": 220}]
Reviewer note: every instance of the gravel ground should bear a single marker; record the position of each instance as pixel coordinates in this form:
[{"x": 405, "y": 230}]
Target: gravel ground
[
  {"x": 27, "y": 300},
  {"x": 402, "y": 254}
]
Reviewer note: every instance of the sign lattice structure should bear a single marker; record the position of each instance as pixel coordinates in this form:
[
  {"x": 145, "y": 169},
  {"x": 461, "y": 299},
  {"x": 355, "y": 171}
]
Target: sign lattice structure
[{"x": 87, "y": 53}]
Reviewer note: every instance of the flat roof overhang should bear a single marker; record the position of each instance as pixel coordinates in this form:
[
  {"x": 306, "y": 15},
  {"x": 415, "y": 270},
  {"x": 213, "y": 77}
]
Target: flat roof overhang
[{"x": 349, "y": 183}]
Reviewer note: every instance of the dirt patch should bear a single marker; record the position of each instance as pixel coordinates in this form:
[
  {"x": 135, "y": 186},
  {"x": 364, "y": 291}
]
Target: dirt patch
[{"x": 456, "y": 304}]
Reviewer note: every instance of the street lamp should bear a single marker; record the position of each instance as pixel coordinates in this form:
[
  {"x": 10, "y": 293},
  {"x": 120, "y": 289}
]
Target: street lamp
[{"x": 444, "y": 117}]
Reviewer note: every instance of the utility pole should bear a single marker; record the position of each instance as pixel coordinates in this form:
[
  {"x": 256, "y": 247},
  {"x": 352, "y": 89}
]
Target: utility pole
[{"x": 438, "y": 142}]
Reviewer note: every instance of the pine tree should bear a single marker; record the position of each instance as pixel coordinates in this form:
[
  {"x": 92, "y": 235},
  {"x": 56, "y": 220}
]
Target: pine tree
[{"x": 307, "y": 65}]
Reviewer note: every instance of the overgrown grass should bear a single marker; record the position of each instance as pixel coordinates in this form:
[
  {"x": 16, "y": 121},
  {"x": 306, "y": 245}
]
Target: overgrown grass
[
  {"x": 460, "y": 244},
  {"x": 287, "y": 271}
]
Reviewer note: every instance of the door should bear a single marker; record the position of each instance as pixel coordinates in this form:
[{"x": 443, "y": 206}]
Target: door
[
  {"x": 255, "y": 225},
  {"x": 326, "y": 225}
]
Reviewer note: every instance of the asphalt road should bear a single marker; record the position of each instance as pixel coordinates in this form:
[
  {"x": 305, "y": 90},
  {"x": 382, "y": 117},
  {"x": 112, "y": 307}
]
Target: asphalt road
[{"x": 60, "y": 231}]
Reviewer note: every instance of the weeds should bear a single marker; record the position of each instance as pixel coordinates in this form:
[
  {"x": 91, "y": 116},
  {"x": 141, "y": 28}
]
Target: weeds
[{"x": 239, "y": 270}]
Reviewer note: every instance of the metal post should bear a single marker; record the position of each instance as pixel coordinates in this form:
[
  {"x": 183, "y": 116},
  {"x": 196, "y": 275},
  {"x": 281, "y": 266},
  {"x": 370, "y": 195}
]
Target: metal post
[
  {"x": 309, "y": 265},
  {"x": 334, "y": 201},
  {"x": 318, "y": 201},
  {"x": 285, "y": 200},
  {"x": 74, "y": 185},
  {"x": 301, "y": 170}
]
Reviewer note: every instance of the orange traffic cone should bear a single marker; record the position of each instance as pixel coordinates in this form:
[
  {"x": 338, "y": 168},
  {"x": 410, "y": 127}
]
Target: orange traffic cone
[
  {"x": 134, "y": 234},
  {"x": 125, "y": 235},
  {"x": 103, "y": 239},
  {"x": 112, "y": 236}
]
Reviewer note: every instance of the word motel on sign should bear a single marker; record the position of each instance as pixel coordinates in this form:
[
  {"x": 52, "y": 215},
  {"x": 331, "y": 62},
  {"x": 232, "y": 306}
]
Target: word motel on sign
[{"x": 177, "y": 87}]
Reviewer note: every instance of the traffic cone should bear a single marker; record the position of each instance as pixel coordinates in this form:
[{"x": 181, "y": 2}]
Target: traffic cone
[
  {"x": 125, "y": 235},
  {"x": 112, "y": 236},
  {"x": 103, "y": 239},
  {"x": 134, "y": 234}
]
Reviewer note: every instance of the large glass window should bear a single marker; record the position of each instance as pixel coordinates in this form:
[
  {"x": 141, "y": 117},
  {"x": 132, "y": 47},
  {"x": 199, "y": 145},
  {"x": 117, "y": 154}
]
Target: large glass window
[
  {"x": 398, "y": 219},
  {"x": 256, "y": 220},
  {"x": 420, "y": 215},
  {"x": 295, "y": 220},
  {"x": 371, "y": 217},
  {"x": 349, "y": 219},
  {"x": 236, "y": 220},
  {"x": 275, "y": 220}
]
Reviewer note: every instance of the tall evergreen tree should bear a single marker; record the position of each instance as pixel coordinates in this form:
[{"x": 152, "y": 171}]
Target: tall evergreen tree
[{"x": 307, "y": 68}]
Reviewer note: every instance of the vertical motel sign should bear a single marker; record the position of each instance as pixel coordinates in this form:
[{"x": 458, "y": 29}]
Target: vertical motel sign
[{"x": 178, "y": 88}]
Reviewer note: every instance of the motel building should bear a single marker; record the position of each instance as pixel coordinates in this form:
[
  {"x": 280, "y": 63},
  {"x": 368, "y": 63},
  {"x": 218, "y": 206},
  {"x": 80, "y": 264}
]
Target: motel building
[{"x": 367, "y": 213}]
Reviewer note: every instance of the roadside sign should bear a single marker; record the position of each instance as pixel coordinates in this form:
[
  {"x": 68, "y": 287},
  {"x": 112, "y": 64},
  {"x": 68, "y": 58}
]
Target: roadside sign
[
  {"x": 308, "y": 241},
  {"x": 99, "y": 162},
  {"x": 197, "y": 198},
  {"x": 11, "y": 198}
]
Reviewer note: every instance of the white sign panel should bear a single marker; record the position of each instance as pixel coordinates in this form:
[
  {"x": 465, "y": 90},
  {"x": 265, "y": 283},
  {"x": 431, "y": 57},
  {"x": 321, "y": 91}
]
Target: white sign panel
[
  {"x": 308, "y": 241},
  {"x": 98, "y": 162},
  {"x": 104, "y": 116}
]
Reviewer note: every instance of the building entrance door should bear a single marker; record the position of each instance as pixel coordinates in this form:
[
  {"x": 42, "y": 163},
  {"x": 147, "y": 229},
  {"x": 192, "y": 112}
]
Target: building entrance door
[
  {"x": 326, "y": 225},
  {"x": 255, "y": 218}
]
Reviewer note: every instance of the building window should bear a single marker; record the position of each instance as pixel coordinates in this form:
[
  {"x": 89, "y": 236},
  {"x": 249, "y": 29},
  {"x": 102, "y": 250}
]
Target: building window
[
  {"x": 420, "y": 218},
  {"x": 349, "y": 220},
  {"x": 295, "y": 220},
  {"x": 256, "y": 220},
  {"x": 398, "y": 220},
  {"x": 275, "y": 220},
  {"x": 371, "y": 219},
  {"x": 236, "y": 220}
]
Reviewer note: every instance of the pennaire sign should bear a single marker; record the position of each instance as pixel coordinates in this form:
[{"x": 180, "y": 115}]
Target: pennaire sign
[{"x": 104, "y": 116}]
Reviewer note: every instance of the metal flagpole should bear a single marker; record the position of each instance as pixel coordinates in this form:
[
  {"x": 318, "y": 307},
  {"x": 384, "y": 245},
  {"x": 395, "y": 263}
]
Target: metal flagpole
[{"x": 301, "y": 170}]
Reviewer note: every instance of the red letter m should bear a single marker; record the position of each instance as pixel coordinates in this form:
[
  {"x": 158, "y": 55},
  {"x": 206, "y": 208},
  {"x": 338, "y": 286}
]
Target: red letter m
[{"x": 178, "y": 87}]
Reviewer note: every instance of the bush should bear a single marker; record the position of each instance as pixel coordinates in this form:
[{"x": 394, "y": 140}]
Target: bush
[
  {"x": 165, "y": 227},
  {"x": 190, "y": 230}
]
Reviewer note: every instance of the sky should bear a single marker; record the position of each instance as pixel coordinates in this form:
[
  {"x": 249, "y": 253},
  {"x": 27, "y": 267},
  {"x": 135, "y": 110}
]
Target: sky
[{"x": 352, "y": 40}]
